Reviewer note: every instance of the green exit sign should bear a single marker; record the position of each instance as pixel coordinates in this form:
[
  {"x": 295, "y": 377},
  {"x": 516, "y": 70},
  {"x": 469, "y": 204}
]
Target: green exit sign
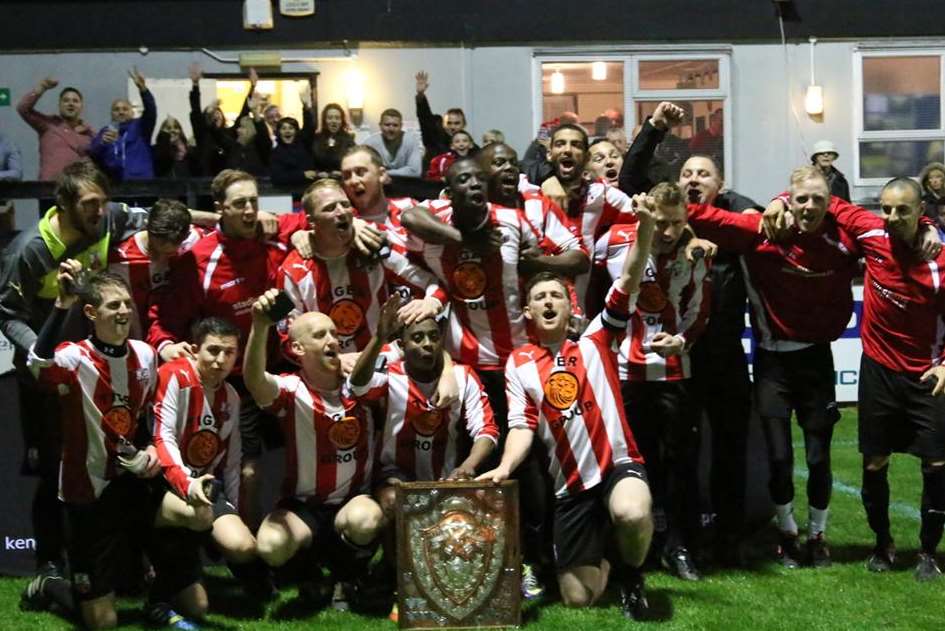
[{"x": 4, "y": 97}]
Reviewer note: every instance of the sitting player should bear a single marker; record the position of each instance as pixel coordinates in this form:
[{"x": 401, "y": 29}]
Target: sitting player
[
  {"x": 569, "y": 394},
  {"x": 106, "y": 382},
  {"x": 329, "y": 450},
  {"x": 196, "y": 433}
]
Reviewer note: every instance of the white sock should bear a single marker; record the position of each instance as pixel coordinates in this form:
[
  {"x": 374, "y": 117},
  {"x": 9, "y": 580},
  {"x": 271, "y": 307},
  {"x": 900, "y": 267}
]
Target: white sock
[
  {"x": 785, "y": 515},
  {"x": 817, "y": 521}
]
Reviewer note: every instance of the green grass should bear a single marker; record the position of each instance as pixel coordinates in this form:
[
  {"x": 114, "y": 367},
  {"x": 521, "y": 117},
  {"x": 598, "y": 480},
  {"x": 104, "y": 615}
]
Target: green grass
[{"x": 766, "y": 597}]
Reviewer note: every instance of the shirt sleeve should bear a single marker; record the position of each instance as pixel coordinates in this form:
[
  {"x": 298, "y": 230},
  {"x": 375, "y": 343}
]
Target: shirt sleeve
[
  {"x": 523, "y": 413},
  {"x": 169, "y": 422},
  {"x": 25, "y": 108},
  {"x": 480, "y": 422},
  {"x": 737, "y": 232},
  {"x": 559, "y": 232},
  {"x": 373, "y": 390},
  {"x": 173, "y": 310},
  {"x": 695, "y": 303},
  {"x": 234, "y": 453},
  {"x": 61, "y": 371},
  {"x": 399, "y": 270},
  {"x": 289, "y": 224}
]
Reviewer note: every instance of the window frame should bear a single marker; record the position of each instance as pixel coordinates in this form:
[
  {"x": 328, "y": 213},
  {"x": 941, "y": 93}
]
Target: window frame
[
  {"x": 632, "y": 94},
  {"x": 861, "y": 135}
]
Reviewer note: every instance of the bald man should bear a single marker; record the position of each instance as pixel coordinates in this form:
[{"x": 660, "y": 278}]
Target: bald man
[
  {"x": 329, "y": 447},
  {"x": 123, "y": 147}
]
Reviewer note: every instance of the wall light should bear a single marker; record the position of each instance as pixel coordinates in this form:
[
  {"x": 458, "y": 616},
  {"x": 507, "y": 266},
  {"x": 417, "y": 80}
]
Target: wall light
[
  {"x": 599, "y": 71},
  {"x": 354, "y": 93},
  {"x": 814, "y": 100},
  {"x": 557, "y": 82}
]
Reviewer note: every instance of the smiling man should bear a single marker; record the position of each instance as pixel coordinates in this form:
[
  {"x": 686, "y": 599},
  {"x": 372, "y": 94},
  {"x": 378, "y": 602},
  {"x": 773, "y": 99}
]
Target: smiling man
[
  {"x": 123, "y": 147},
  {"x": 63, "y": 138},
  {"x": 400, "y": 150}
]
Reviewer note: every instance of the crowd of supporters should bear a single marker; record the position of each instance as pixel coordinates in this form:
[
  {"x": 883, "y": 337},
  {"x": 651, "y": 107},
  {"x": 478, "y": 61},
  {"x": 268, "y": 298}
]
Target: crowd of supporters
[{"x": 567, "y": 322}]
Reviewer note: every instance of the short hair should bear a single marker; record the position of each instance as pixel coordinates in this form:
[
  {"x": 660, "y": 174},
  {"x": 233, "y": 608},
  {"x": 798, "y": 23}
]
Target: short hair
[
  {"x": 600, "y": 141},
  {"x": 807, "y": 172},
  {"x": 221, "y": 327},
  {"x": 668, "y": 194},
  {"x": 542, "y": 277},
  {"x": 455, "y": 166},
  {"x": 169, "y": 219},
  {"x": 270, "y": 107},
  {"x": 391, "y": 112},
  {"x": 705, "y": 156},
  {"x": 94, "y": 286},
  {"x": 372, "y": 153},
  {"x": 904, "y": 182},
  {"x": 73, "y": 177},
  {"x": 439, "y": 320},
  {"x": 68, "y": 89},
  {"x": 485, "y": 154},
  {"x": 458, "y": 111},
  {"x": 464, "y": 133},
  {"x": 308, "y": 197},
  {"x": 499, "y": 136},
  {"x": 289, "y": 120},
  {"x": 572, "y": 127},
  {"x": 224, "y": 180}
]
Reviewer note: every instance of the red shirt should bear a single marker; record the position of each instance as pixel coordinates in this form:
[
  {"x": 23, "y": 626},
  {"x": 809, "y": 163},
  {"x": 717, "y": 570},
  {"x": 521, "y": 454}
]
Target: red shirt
[
  {"x": 439, "y": 165},
  {"x": 194, "y": 434}
]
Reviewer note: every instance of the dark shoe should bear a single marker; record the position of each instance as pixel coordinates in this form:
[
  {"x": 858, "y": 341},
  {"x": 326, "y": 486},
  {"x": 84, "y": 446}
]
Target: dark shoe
[
  {"x": 33, "y": 597},
  {"x": 882, "y": 558},
  {"x": 161, "y": 615},
  {"x": 927, "y": 569},
  {"x": 633, "y": 598},
  {"x": 818, "y": 554},
  {"x": 789, "y": 552},
  {"x": 678, "y": 562}
]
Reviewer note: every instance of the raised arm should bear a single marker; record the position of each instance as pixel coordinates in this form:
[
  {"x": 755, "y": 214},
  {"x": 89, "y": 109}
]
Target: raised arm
[
  {"x": 629, "y": 280},
  {"x": 26, "y": 107},
  {"x": 261, "y": 385},
  {"x": 149, "y": 116},
  {"x": 421, "y": 223},
  {"x": 634, "y": 174},
  {"x": 386, "y": 325}
]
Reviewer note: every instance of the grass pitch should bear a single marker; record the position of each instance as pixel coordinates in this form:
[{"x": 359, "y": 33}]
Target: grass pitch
[{"x": 765, "y": 596}]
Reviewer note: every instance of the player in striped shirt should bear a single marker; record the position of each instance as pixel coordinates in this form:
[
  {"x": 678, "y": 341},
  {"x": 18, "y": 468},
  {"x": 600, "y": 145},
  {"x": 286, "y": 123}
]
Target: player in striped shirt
[
  {"x": 106, "y": 383},
  {"x": 568, "y": 393},
  {"x": 363, "y": 176},
  {"x": 329, "y": 438},
  {"x": 653, "y": 358}
]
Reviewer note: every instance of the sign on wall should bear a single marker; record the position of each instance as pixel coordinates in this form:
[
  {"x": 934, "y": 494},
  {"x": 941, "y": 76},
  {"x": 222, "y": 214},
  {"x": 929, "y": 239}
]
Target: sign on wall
[{"x": 296, "y": 8}]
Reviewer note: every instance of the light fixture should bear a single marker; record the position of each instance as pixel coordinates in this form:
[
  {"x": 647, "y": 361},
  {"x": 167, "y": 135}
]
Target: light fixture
[
  {"x": 599, "y": 71},
  {"x": 557, "y": 82},
  {"x": 354, "y": 84},
  {"x": 814, "y": 100}
]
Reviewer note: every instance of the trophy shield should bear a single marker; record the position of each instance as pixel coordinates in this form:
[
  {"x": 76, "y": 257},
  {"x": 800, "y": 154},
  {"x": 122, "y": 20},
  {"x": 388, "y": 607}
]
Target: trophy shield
[{"x": 458, "y": 555}]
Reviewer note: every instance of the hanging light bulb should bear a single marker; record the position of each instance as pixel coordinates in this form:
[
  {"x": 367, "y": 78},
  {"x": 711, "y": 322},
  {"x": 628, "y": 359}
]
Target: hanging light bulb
[
  {"x": 599, "y": 71},
  {"x": 557, "y": 82},
  {"x": 814, "y": 99}
]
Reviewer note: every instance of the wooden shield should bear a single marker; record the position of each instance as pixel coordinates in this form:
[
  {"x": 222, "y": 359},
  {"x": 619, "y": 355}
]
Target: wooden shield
[{"x": 458, "y": 555}]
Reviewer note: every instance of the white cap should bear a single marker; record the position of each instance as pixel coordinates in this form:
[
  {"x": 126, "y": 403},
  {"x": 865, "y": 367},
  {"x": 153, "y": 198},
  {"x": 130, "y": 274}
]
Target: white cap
[{"x": 824, "y": 146}]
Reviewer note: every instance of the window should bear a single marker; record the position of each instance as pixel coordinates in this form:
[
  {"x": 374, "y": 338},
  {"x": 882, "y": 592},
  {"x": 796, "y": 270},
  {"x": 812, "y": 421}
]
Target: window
[
  {"x": 621, "y": 91},
  {"x": 899, "y": 122}
]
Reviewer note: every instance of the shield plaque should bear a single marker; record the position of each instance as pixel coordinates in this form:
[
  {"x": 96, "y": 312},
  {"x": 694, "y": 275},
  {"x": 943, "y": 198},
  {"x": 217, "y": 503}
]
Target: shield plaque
[{"x": 458, "y": 555}]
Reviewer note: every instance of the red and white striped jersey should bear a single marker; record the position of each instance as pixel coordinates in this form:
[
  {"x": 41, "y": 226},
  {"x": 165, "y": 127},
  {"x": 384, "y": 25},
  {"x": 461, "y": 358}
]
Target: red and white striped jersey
[
  {"x": 103, "y": 398},
  {"x": 486, "y": 319},
  {"x": 395, "y": 208},
  {"x": 419, "y": 439},
  {"x": 351, "y": 292},
  {"x": 195, "y": 434},
  {"x": 674, "y": 298},
  {"x": 571, "y": 399},
  {"x": 329, "y": 440},
  {"x": 130, "y": 261},
  {"x": 903, "y": 325},
  {"x": 554, "y": 230}
]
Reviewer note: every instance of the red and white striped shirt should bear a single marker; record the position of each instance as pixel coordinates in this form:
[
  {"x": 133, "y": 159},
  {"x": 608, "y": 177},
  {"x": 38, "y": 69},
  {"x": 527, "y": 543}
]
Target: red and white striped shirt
[
  {"x": 350, "y": 292},
  {"x": 571, "y": 398},
  {"x": 555, "y": 231},
  {"x": 130, "y": 261},
  {"x": 395, "y": 208},
  {"x": 419, "y": 439},
  {"x": 329, "y": 442},
  {"x": 486, "y": 319},
  {"x": 103, "y": 398},
  {"x": 193, "y": 434},
  {"x": 674, "y": 298}
]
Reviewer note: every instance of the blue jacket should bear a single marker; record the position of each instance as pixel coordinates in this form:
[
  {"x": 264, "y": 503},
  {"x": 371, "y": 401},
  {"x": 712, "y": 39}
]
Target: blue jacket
[
  {"x": 11, "y": 167},
  {"x": 129, "y": 157}
]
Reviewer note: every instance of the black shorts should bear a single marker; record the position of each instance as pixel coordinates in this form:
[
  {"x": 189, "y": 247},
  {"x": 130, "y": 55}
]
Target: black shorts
[
  {"x": 662, "y": 417},
  {"x": 899, "y": 414},
  {"x": 802, "y": 381},
  {"x": 582, "y": 522},
  {"x": 98, "y": 530},
  {"x": 258, "y": 429},
  {"x": 319, "y": 518}
]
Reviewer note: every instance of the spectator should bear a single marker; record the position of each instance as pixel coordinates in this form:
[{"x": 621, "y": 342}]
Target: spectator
[
  {"x": 617, "y": 136},
  {"x": 63, "y": 138},
  {"x": 174, "y": 157},
  {"x": 491, "y": 136},
  {"x": 123, "y": 148},
  {"x": 11, "y": 167},
  {"x": 823, "y": 157},
  {"x": 291, "y": 162},
  {"x": 332, "y": 141},
  {"x": 248, "y": 149},
  {"x": 461, "y": 145},
  {"x": 710, "y": 141},
  {"x": 400, "y": 150},
  {"x": 932, "y": 179},
  {"x": 436, "y": 133},
  {"x": 211, "y": 156}
]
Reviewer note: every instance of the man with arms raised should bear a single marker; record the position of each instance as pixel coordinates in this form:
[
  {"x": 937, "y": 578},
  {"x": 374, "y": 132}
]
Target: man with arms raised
[
  {"x": 329, "y": 438},
  {"x": 63, "y": 138},
  {"x": 568, "y": 393}
]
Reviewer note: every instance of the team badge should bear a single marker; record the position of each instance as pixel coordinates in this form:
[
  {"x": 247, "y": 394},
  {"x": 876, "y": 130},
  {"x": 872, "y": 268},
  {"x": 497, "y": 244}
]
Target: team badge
[
  {"x": 469, "y": 280},
  {"x": 202, "y": 448},
  {"x": 426, "y": 423},
  {"x": 561, "y": 390},
  {"x": 82, "y": 583},
  {"x": 347, "y": 315},
  {"x": 651, "y": 298},
  {"x": 344, "y": 434},
  {"x": 118, "y": 419}
]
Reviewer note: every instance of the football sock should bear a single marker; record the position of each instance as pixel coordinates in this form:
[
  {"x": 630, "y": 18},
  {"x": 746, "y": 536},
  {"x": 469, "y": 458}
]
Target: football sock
[
  {"x": 933, "y": 507},
  {"x": 817, "y": 521},
  {"x": 785, "y": 516},
  {"x": 875, "y": 495},
  {"x": 820, "y": 477}
]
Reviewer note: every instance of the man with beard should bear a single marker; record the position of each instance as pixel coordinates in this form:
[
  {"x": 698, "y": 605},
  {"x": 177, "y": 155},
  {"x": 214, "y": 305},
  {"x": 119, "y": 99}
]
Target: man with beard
[
  {"x": 724, "y": 395},
  {"x": 401, "y": 151},
  {"x": 567, "y": 393},
  {"x": 653, "y": 359}
]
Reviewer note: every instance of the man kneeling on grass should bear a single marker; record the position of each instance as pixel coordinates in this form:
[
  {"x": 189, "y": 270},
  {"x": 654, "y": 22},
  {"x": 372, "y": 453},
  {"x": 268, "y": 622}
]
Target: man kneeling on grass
[
  {"x": 329, "y": 454},
  {"x": 569, "y": 394}
]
